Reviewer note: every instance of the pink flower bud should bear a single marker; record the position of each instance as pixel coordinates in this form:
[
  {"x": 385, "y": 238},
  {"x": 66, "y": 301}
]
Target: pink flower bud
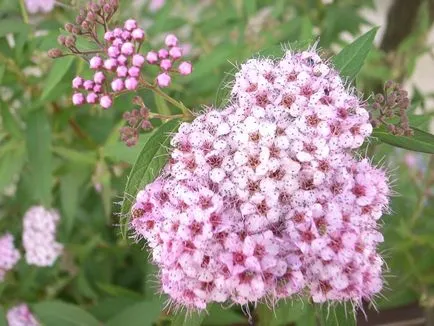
[
  {"x": 130, "y": 24},
  {"x": 163, "y": 80},
  {"x": 126, "y": 36},
  {"x": 99, "y": 77},
  {"x": 78, "y": 99},
  {"x": 122, "y": 60},
  {"x": 131, "y": 83},
  {"x": 166, "y": 64},
  {"x": 171, "y": 40},
  {"x": 138, "y": 34},
  {"x": 110, "y": 64},
  {"x": 127, "y": 48},
  {"x": 152, "y": 57},
  {"x": 113, "y": 51},
  {"x": 95, "y": 63},
  {"x": 122, "y": 71},
  {"x": 163, "y": 53},
  {"x": 88, "y": 84},
  {"x": 105, "y": 101},
  {"x": 97, "y": 88},
  {"x": 175, "y": 52},
  {"x": 138, "y": 60},
  {"x": 77, "y": 82},
  {"x": 109, "y": 36},
  {"x": 134, "y": 72},
  {"x": 185, "y": 68},
  {"x": 118, "y": 42},
  {"x": 117, "y": 85},
  {"x": 117, "y": 32},
  {"x": 91, "y": 98}
]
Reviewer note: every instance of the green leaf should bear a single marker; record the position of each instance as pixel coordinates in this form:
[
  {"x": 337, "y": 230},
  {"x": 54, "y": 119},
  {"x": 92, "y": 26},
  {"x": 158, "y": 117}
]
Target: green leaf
[
  {"x": 117, "y": 151},
  {"x": 2, "y": 71},
  {"x": 55, "y": 313},
  {"x": 11, "y": 163},
  {"x": 80, "y": 157},
  {"x": 149, "y": 162},
  {"x": 38, "y": 134},
  {"x": 3, "y": 321},
  {"x": 350, "y": 60},
  {"x": 119, "y": 291},
  {"x": 59, "y": 69},
  {"x": 337, "y": 315},
  {"x": 161, "y": 104},
  {"x": 70, "y": 186},
  {"x": 12, "y": 26},
  {"x": 141, "y": 314},
  {"x": 421, "y": 141},
  {"x": 219, "y": 316},
  {"x": 9, "y": 121},
  {"x": 193, "y": 319}
]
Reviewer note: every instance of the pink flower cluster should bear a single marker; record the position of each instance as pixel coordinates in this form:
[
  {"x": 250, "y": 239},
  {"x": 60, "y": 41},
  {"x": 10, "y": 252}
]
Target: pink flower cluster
[
  {"x": 44, "y": 6},
  {"x": 9, "y": 255},
  {"x": 21, "y": 315},
  {"x": 121, "y": 65},
  {"x": 263, "y": 200},
  {"x": 39, "y": 236}
]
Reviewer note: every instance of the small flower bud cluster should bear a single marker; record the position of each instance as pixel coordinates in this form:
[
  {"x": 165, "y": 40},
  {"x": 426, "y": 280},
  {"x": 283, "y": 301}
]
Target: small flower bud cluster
[
  {"x": 43, "y": 6},
  {"x": 9, "y": 255},
  {"x": 20, "y": 315},
  {"x": 393, "y": 103},
  {"x": 39, "y": 236},
  {"x": 121, "y": 65},
  {"x": 136, "y": 120},
  {"x": 165, "y": 59},
  {"x": 263, "y": 200}
]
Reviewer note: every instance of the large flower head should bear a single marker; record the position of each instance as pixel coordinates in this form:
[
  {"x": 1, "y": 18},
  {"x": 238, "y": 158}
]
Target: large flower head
[{"x": 263, "y": 199}]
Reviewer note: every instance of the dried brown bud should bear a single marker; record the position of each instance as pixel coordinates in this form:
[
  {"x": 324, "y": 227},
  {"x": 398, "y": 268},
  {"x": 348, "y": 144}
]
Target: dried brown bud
[
  {"x": 379, "y": 98},
  {"x": 85, "y": 26},
  {"x": 70, "y": 41},
  {"x": 80, "y": 18},
  {"x": 389, "y": 84},
  {"x": 55, "y": 53},
  {"x": 76, "y": 30}
]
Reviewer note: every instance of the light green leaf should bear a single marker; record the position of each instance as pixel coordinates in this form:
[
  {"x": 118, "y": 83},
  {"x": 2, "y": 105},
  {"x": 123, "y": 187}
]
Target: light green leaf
[
  {"x": 161, "y": 104},
  {"x": 56, "y": 313},
  {"x": 38, "y": 134},
  {"x": 12, "y": 26},
  {"x": 147, "y": 166},
  {"x": 2, "y": 71},
  {"x": 80, "y": 157},
  {"x": 141, "y": 314},
  {"x": 59, "y": 69},
  {"x": 9, "y": 121},
  {"x": 350, "y": 60},
  {"x": 11, "y": 163},
  {"x": 193, "y": 319},
  {"x": 421, "y": 141}
]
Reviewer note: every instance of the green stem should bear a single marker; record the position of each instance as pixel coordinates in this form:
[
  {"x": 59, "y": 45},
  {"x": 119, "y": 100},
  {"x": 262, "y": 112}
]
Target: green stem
[{"x": 24, "y": 12}]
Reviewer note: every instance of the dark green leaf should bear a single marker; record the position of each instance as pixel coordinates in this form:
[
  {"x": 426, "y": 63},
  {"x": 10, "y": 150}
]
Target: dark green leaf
[
  {"x": 141, "y": 314},
  {"x": 192, "y": 319},
  {"x": 350, "y": 60},
  {"x": 219, "y": 316},
  {"x": 149, "y": 162},
  {"x": 421, "y": 141},
  {"x": 59, "y": 69},
  {"x": 11, "y": 163},
  {"x": 39, "y": 154},
  {"x": 56, "y": 313},
  {"x": 336, "y": 315},
  {"x": 77, "y": 157}
]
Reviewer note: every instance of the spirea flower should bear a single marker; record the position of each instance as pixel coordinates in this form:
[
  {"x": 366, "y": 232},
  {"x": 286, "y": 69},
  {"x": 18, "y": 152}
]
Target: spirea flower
[
  {"x": 264, "y": 200},
  {"x": 39, "y": 236},
  {"x": 21, "y": 315},
  {"x": 9, "y": 255},
  {"x": 44, "y": 6}
]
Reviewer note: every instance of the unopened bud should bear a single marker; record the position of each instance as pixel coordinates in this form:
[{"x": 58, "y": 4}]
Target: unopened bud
[
  {"x": 80, "y": 18},
  {"x": 68, "y": 27},
  {"x": 379, "y": 98},
  {"x": 107, "y": 8},
  {"x": 55, "y": 53},
  {"x": 91, "y": 16},
  {"x": 70, "y": 41},
  {"x": 76, "y": 30},
  {"x": 85, "y": 26},
  {"x": 61, "y": 39}
]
